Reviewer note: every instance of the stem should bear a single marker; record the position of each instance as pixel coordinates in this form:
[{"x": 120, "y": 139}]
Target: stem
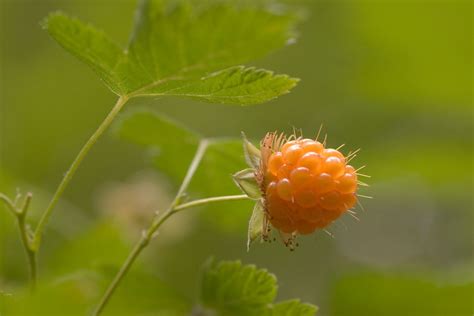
[
  {"x": 30, "y": 253},
  {"x": 9, "y": 203},
  {"x": 20, "y": 215},
  {"x": 155, "y": 224},
  {"x": 210, "y": 200},
  {"x": 73, "y": 168},
  {"x": 146, "y": 238}
]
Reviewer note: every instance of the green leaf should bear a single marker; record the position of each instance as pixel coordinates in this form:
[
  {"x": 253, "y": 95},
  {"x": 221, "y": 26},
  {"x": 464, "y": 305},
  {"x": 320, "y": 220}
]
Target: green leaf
[
  {"x": 256, "y": 223},
  {"x": 293, "y": 308},
  {"x": 233, "y": 289},
  {"x": 91, "y": 46},
  {"x": 245, "y": 180},
  {"x": 190, "y": 49},
  {"x": 235, "y": 85}
]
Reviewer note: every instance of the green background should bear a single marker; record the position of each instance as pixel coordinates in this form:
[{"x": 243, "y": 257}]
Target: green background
[{"x": 393, "y": 78}]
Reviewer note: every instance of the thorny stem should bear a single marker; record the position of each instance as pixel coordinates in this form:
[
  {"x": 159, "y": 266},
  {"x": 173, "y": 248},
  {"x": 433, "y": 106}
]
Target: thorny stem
[
  {"x": 148, "y": 234},
  {"x": 73, "y": 168}
]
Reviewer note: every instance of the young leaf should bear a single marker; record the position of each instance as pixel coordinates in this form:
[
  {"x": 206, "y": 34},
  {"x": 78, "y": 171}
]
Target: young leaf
[
  {"x": 293, "y": 308},
  {"x": 233, "y": 289},
  {"x": 255, "y": 224},
  {"x": 186, "y": 50}
]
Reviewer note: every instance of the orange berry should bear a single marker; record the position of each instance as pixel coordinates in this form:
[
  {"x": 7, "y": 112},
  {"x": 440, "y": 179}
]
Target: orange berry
[
  {"x": 310, "y": 145},
  {"x": 331, "y": 215},
  {"x": 277, "y": 208},
  {"x": 334, "y": 166},
  {"x": 311, "y": 214},
  {"x": 305, "y": 227},
  {"x": 293, "y": 154},
  {"x": 330, "y": 200},
  {"x": 270, "y": 177},
  {"x": 333, "y": 153},
  {"x": 284, "y": 189},
  {"x": 287, "y": 145},
  {"x": 323, "y": 183},
  {"x": 271, "y": 190},
  {"x": 312, "y": 161},
  {"x": 306, "y": 198},
  {"x": 350, "y": 169},
  {"x": 347, "y": 183},
  {"x": 348, "y": 200},
  {"x": 300, "y": 176},
  {"x": 307, "y": 186},
  {"x": 285, "y": 225},
  {"x": 275, "y": 162}
]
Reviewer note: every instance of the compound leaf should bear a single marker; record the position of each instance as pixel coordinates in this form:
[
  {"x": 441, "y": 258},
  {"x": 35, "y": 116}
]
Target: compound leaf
[{"x": 186, "y": 48}]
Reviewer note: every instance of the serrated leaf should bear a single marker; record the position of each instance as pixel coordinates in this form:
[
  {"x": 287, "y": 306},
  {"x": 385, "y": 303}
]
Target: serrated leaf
[
  {"x": 233, "y": 289},
  {"x": 235, "y": 85},
  {"x": 91, "y": 46},
  {"x": 189, "y": 49},
  {"x": 245, "y": 180},
  {"x": 256, "y": 223},
  {"x": 293, "y": 308}
]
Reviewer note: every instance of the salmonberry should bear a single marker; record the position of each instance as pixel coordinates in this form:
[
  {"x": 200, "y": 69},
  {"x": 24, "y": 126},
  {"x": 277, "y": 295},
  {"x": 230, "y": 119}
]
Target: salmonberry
[{"x": 306, "y": 186}]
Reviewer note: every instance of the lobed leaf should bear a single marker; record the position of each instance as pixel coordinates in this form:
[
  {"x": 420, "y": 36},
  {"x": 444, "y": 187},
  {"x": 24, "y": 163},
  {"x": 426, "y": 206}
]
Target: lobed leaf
[
  {"x": 234, "y": 289},
  {"x": 185, "y": 48},
  {"x": 91, "y": 46}
]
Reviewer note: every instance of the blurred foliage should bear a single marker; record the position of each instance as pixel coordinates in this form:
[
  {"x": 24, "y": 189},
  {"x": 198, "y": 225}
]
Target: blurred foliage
[
  {"x": 392, "y": 77},
  {"x": 399, "y": 294}
]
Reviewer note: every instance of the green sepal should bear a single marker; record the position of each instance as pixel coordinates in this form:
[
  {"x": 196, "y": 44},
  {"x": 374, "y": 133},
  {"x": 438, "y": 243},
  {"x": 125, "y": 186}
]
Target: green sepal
[
  {"x": 245, "y": 180},
  {"x": 256, "y": 223},
  {"x": 252, "y": 154}
]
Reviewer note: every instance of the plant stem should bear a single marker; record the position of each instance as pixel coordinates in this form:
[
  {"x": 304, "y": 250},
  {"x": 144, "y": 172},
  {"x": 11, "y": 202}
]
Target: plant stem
[
  {"x": 159, "y": 220},
  {"x": 20, "y": 215},
  {"x": 9, "y": 203},
  {"x": 210, "y": 200},
  {"x": 73, "y": 168},
  {"x": 30, "y": 253}
]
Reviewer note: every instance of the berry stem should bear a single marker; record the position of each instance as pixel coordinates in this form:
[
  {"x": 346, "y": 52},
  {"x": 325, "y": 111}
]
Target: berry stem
[
  {"x": 210, "y": 200},
  {"x": 158, "y": 220},
  {"x": 73, "y": 168}
]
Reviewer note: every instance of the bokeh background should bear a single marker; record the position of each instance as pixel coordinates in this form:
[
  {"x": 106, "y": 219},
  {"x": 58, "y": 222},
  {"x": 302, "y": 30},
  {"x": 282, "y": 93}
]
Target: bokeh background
[{"x": 393, "y": 77}]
